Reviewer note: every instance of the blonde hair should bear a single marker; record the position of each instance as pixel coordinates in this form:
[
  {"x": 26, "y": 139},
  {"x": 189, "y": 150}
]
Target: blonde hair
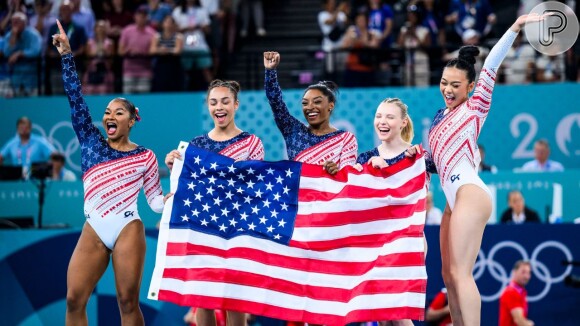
[{"x": 407, "y": 132}]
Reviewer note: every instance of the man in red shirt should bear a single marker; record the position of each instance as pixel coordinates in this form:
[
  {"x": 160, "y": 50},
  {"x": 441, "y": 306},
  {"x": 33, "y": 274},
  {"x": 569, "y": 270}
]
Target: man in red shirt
[
  {"x": 513, "y": 303},
  {"x": 438, "y": 311}
]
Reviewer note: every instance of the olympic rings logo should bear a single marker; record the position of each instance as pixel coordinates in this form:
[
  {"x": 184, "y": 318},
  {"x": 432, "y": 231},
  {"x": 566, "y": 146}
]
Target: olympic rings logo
[{"x": 539, "y": 269}]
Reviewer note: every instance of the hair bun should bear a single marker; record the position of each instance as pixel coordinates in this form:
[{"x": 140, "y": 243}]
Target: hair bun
[
  {"x": 332, "y": 86},
  {"x": 468, "y": 53}
]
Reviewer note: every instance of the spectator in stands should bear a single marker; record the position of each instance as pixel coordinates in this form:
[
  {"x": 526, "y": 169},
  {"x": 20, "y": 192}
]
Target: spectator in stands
[
  {"x": 432, "y": 20},
  {"x": 333, "y": 23},
  {"x": 83, "y": 17},
  {"x": 542, "y": 162},
  {"x": 99, "y": 78},
  {"x": 471, "y": 14},
  {"x": 193, "y": 21},
  {"x": 438, "y": 311},
  {"x": 25, "y": 148},
  {"x": 257, "y": 12},
  {"x": 42, "y": 19},
  {"x": 22, "y": 50},
  {"x": 513, "y": 303},
  {"x": 550, "y": 69},
  {"x": 484, "y": 167},
  {"x": 5, "y": 89},
  {"x": 134, "y": 47},
  {"x": 157, "y": 12},
  {"x": 434, "y": 214},
  {"x": 518, "y": 213},
  {"x": 380, "y": 22},
  {"x": 414, "y": 39},
  {"x": 360, "y": 62},
  {"x": 519, "y": 62},
  {"x": 167, "y": 47},
  {"x": 7, "y": 9},
  {"x": 85, "y": 4},
  {"x": 118, "y": 16},
  {"x": 59, "y": 172},
  {"x": 78, "y": 41},
  {"x": 215, "y": 36}
]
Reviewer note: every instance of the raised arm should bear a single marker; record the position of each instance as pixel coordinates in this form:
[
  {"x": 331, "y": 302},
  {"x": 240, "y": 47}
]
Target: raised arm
[
  {"x": 80, "y": 115},
  {"x": 284, "y": 120}
]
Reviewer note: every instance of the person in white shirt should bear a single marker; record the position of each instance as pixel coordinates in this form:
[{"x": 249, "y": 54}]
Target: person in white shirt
[
  {"x": 542, "y": 163},
  {"x": 434, "y": 214}
]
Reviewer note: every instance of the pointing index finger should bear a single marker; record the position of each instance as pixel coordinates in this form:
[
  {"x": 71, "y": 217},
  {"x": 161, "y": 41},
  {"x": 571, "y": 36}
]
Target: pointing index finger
[{"x": 61, "y": 30}]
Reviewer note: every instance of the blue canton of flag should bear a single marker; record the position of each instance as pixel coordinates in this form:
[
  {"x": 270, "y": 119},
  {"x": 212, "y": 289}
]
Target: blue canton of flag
[{"x": 218, "y": 196}]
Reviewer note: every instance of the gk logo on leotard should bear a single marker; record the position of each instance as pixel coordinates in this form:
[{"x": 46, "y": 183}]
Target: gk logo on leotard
[
  {"x": 128, "y": 213},
  {"x": 454, "y": 177}
]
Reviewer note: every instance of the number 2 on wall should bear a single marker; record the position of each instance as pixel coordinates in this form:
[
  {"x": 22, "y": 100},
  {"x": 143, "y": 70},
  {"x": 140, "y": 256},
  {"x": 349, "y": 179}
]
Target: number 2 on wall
[{"x": 524, "y": 150}]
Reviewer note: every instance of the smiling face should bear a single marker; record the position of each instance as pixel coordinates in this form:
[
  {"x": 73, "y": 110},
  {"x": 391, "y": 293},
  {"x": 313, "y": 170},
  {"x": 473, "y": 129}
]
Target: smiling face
[
  {"x": 316, "y": 107},
  {"x": 389, "y": 121},
  {"x": 455, "y": 87},
  {"x": 117, "y": 120},
  {"x": 222, "y": 106}
]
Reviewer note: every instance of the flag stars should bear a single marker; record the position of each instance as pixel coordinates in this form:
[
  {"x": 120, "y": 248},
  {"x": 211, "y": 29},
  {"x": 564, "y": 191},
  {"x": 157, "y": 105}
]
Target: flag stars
[
  {"x": 217, "y": 201},
  {"x": 289, "y": 173},
  {"x": 195, "y": 212},
  {"x": 251, "y": 226},
  {"x": 211, "y": 179},
  {"x": 270, "y": 229},
  {"x": 202, "y": 171},
  {"x": 233, "y": 222},
  {"x": 281, "y": 223},
  {"x": 244, "y": 217},
  {"x": 205, "y": 207},
  {"x": 184, "y": 218},
  {"x": 240, "y": 176},
  {"x": 213, "y": 166},
  {"x": 225, "y": 212},
  {"x": 266, "y": 203},
  {"x": 232, "y": 168},
  {"x": 279, "y": 179},
  {"x": 260, "y": 177},
  {"x": 222, "y": 174},
  {"x": 286, "y": 190},
  {"x": 229, "y": 195},
  {"x": 194, "y": 175},
  {"x": 247, "y": 199},
  {"x": 277, "y": 196},
  {"x": 269, "y": 186},
  {"x": 190, "y": 186},
  {"x": 197, "y": 160},
  {"x": 263, "y": 220},
  {"x": 210, "y": 190},
  {"x": 240, "y": 190},
  {"x": 255, "y": 209},
  {"x": 223, "y": 227},
  {"x": 250, "y": 184},
  {"x": 231, "y": 182},
  {"x": 270, "y": 171},
  {"x": 250, "y": 171},
  {"x": 259, "y": 193},
  {"x": 236, "y": 206},
  {"x": 198, "y": 196},
  {"x": 186, "y": 202},
  {"x": 214, "y": 217},
  {"x": 284, "y": 207},
  {"x": 204, "y": 222},
  {"x": 277, "y": 237},
  {"x": 274, "y": 214}
]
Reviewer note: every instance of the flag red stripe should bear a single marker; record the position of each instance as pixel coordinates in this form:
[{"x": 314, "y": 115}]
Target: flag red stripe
[
  {"x": 354, "y": 217},
  {"x": 320, "y": 293},
  {"x": 295, "y": 263},
  {"x": 351, "y": 191},
  {"x": 292, "y": 314}
]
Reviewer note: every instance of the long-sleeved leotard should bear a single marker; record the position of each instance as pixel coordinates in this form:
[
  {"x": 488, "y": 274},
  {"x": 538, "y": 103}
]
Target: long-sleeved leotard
[
  {"x": 453, "y": 136},
  {"x": 112, "y": 179},
  {"x": 303, "y": 146},
  {"x": 244, "y": 146}
]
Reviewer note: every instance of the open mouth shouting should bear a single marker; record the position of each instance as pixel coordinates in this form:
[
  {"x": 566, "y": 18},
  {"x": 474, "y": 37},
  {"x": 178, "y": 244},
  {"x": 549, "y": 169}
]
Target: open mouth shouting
[
  {"x": 384, "y": 131},
  {"x": 220, "y": 117},
  {"x": 111, "y": 128},
  {"x": 449, "y": 99},
  {"x": 312, "y": 115}
]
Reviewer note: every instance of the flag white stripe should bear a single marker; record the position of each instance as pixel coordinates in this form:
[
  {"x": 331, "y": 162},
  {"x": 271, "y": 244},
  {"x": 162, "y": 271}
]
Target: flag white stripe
[
  {"x": 342, "y": 231},
  {"x": 289, "y": 301},
  {"x": 354, "y": 254}
]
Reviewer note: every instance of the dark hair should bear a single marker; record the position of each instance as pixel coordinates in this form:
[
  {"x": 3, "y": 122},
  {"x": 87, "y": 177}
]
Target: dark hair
[
  {"x": 233, "y": 85},
  {"x": 465, "y": 61},
  {"x": 56, "y": 156},
  {"x": 133, "y": 111},
  {"x": 22, "y": 119},
  {"x": 520, "y": 263},
  {"x": 183, "y": 5},
  {"x": 328, "y": 88}
]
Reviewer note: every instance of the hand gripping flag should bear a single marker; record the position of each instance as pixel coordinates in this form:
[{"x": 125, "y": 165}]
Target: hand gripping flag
[{"x": 289, "y": 241}]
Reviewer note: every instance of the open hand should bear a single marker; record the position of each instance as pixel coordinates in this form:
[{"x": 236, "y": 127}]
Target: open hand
[
  {"x": 61, "y": 41},
  {"x": 271, "y": 60},
  {"x": 170, "y": 157},
  {"x": 528, "y": 19}
]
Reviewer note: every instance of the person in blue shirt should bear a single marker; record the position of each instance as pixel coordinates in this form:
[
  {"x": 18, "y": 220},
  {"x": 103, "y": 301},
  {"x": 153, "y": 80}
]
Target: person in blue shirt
[
  {"x": 21, "y": 46},
  {"x": 25, "y": 148}
]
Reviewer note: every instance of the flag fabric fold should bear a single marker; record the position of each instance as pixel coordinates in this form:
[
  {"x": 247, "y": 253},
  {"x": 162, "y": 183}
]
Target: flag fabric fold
[{"x": 287, "y": 240}]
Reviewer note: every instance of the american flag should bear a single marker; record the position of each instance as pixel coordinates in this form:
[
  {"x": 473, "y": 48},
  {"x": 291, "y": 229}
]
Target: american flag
[{"x": 289, "y": 241}]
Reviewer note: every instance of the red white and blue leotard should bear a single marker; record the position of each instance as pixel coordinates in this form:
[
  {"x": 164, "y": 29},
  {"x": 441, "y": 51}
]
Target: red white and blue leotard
[
  {"x": 242, "y": 147},
  {"x": 303, "y": 146},
  {"x": 453, "y": 136},
  {"x": 112, "y": 179}
]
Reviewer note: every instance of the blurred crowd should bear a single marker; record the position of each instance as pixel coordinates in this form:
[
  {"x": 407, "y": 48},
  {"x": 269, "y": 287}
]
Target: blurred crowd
[
  {"x": 370, "y": 42},
  {"x": 158, "y": 46}
]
